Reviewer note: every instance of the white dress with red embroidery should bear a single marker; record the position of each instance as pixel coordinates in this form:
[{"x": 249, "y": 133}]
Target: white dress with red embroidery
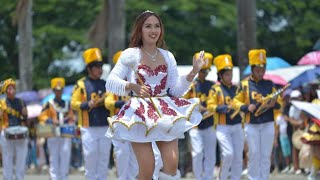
[{"x": 138, "y": 120}]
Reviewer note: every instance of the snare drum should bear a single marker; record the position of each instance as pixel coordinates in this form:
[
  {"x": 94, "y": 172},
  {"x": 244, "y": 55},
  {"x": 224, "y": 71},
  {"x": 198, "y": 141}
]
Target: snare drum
[
  {"x": 16, "y": 132},
  {"x": 67, "y": 131},
  {"x": 45, "y": 130}
]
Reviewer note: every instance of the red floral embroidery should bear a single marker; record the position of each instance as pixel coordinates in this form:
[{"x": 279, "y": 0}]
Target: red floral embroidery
[
  {"x": 180, "y": 102},
  {"x": 141, "y": 77},
  {"x": 150, "y": 72},
  {"x": 146, "y": 68},
  {"x": 160, "y": 68},
  {"x": 140, "y": 111},
  {"x": 150, "y": 90},
  {"x": 122, "y": 112},
  {"x": 152, "y": 112},
  {"x": 165, "y": 108},
  {"x": 161, "y": 86}
]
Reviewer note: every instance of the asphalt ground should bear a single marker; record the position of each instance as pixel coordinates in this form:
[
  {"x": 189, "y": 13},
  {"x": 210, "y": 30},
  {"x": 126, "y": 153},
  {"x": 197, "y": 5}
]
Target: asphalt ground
[{"x": 76, "y": 175}]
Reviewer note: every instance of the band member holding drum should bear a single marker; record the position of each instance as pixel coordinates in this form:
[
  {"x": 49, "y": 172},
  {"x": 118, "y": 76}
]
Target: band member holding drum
[
  {"x": 14, "y": 134},
  {"x": 90, "y": 99},
  {"x": 228, "y": 129},
  {"x": 59, "y": 113},
  {"x": 203, "y": 137},
  {"x": 259, "y": 128}
]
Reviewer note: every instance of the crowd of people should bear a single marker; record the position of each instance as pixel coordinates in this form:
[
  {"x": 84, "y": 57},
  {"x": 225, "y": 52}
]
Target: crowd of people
[{"x": 151, "y": 115}]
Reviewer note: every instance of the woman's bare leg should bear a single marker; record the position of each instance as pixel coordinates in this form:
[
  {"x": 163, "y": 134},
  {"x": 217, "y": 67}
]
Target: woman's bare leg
[
  {"x": 145, "y": 158},
  {"x": 170, "y": 156}
]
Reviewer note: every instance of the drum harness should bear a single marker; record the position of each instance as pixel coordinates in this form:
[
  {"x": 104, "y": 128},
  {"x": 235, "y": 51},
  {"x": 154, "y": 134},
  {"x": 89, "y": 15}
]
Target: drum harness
[{"x": 61, "y": 111}]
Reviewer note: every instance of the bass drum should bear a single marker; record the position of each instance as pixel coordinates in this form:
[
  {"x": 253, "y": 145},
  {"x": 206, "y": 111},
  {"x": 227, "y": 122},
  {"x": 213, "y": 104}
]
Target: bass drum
[
  {"x": 16, "y": 132},
  {"x": 296, "y": 139},
  {"x": 45, "y": 130}
]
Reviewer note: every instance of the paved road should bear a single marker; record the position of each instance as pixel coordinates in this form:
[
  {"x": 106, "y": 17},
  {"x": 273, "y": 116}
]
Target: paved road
[{"x": 79, "y": 176}]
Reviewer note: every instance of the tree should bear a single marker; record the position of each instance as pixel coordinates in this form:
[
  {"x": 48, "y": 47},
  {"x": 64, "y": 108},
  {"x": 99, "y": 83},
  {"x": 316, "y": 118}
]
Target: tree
[
  {"x": 98, "y": 32},
  {"x": 24, "y": 18},
  {"x": 246, "y": 30},
  {"x": 117, "y": 24}
]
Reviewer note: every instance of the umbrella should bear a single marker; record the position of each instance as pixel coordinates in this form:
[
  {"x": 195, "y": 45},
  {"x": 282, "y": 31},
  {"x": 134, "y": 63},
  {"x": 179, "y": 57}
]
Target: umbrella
[
  {"x": 66, "y": 94},
  {"x": 34, "y": 110},
  {"x": 272, "y": 63},
  {"x": 28, "y": 96},
  {"x": 310, "y": 58},
  {"x": 306, "y": 77},
  {"x": 65, "y": 97},
  {"x": 276, "y": 79},
  {"x": 291, "y": 72},
  {"x": 311, "y": 109}
]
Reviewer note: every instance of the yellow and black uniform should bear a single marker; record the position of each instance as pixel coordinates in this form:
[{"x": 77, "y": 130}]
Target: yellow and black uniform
[
  {"x": 89, "y": 92},
  {"x": 11, "y": 108},
  {"x": 88, "y": 89},
  {"x": 12, "y": 112},
  {"x": 200, "y": 89},
  {"x": 56, "y": 107},
  {"x": 14, "y": 115},
  {"x": 251, "y": 92},
  {"x": 228, "y": 129},
  {"x": 219, "y": 100},
  {"x": 259, "y": 130},
  {"x": 203, "y": 137}
]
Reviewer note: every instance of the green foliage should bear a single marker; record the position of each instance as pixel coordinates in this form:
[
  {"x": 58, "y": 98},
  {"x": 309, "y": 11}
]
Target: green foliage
[
  {"x": 60, "y": 32},
  {"x": 294, "y": 39},
  {"x": 8, "y": 47}
]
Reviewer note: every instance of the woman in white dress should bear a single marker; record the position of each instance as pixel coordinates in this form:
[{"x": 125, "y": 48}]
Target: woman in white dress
[{"x": 155, "y": 112}]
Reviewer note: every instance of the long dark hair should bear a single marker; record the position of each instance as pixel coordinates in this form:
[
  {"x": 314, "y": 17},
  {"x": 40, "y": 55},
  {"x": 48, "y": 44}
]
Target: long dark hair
[{"x": 136, "y": 37}]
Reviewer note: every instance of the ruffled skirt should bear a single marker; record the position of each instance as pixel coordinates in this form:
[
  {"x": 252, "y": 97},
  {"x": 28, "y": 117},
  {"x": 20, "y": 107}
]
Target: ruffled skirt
[{"x": 139, "y": 121}]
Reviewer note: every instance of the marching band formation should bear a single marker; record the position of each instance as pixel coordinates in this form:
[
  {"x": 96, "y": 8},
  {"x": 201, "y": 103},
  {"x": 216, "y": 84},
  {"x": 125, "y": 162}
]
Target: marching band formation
[{"x": 146, "y": 122}]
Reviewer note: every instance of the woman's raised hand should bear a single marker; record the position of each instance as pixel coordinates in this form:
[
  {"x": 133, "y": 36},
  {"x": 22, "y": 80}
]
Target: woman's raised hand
[{"x": 198, "y": 62}]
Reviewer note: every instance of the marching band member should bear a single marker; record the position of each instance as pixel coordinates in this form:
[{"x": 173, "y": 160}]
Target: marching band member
[
  {"x": 90, "y": 99},
  {"x": 58, "y": 112},
  {"x": 14, "y": 114},
  {"x": 203, "y": 137},
  {"x": 259, "y": 128},
  {"x": 228, "y": 129}
]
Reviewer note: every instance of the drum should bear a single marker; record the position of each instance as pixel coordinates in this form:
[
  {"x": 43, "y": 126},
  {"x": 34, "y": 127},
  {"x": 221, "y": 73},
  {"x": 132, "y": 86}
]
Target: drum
[
  {"x": 296, "y": 139},
  {"x": 16, "y": 132},
  {"x": 67, "y": 131},
  {"x": 45, "y": 130}
]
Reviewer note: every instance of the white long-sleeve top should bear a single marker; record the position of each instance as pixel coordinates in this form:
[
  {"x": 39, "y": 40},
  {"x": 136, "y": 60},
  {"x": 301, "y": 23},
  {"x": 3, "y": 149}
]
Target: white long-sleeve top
[{"x": 115, "y": 83}]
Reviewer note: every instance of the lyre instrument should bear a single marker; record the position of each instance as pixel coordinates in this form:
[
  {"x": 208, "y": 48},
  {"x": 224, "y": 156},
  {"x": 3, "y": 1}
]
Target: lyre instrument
[{"x": 265, "y": 101}]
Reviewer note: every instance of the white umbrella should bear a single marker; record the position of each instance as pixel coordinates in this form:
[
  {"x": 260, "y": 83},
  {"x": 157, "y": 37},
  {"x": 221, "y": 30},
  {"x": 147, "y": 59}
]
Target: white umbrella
[{"x": 309, "y": 108}]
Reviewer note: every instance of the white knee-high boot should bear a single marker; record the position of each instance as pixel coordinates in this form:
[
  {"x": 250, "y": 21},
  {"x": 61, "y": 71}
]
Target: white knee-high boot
[{"x": 163, "y": 176}]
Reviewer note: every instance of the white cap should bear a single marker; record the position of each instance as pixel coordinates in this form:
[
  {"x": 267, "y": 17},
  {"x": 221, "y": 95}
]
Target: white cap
[{"x": 295, "y": 94}]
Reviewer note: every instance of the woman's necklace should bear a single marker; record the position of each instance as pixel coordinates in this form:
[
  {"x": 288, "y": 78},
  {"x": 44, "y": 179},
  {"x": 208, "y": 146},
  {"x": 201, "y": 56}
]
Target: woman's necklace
[{"x": 152, "y": 57}]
